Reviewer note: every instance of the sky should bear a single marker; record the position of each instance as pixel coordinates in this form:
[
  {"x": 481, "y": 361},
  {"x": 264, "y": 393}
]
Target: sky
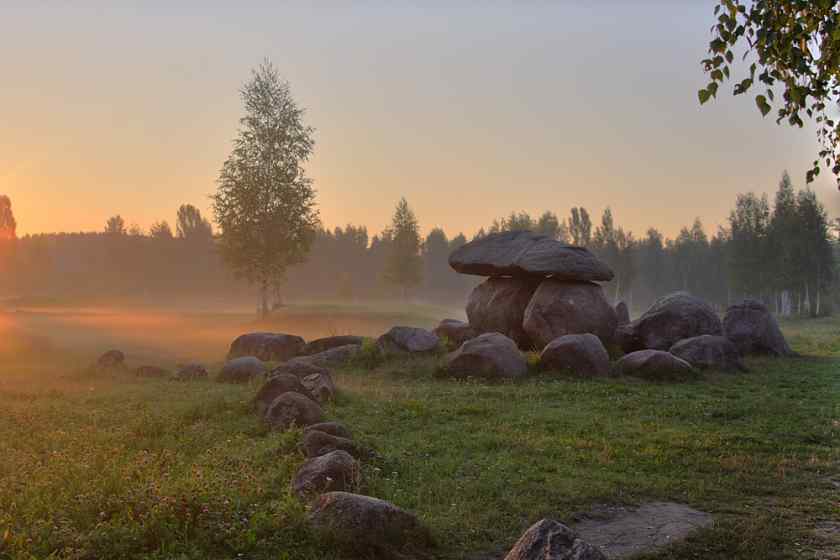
[{"x": 469, "y": 109}]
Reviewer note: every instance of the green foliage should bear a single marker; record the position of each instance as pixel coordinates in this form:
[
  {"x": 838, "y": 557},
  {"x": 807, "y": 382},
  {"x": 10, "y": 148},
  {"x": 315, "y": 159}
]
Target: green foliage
[
  {"x": 191, "y": 225},
  {"x": 580, "y": 227},
  {"x": 115, "y": 225},
  {"x": 794, "y": 46},
  {"x": 369, "y": 355},
  {"x": 404, "y": 266},
  {"x": 265, "y": 204}
]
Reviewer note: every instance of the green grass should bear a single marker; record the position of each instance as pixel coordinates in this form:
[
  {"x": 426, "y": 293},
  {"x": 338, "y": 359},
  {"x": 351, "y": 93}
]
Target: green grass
[{"x": 96, "y": 466}]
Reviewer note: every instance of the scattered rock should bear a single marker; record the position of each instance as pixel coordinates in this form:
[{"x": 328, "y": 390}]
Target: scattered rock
[
  {"x": 410, "y": 340},
  {"x": 333, "y": 428},
  {"x": 654, "y": 365},
  {"x": 299, "y": 367},
  {"x": 191, "y": 372},
  {"x": 322, "y": 344},
  {"x": 498, "y": 305},
  {"x": 709, "y": 352},
  {"x": 152, "y": 371},
  {"x": 551, "y": 540},
  {"x": 320, "y": 385},
  {"x": 623, "y": 532},
  {"x": 754, "y": 330},
  {"x": 581, "y": 354},
  {"x": 112, "y": 359},
  {"x": 334, "y": 357},
  {"x": 368, "y": 525},
  {"x": 293, "y": 409},
  {"x": 559, "y": 308},
  {"x": 276, "y": 386},
  {"x": 317, "y": 443},
  {"x": 622, "y": 313},
  {"x": 268, "y": 347},
  {"x": 241, "y": 370},
  {"x": 670, "y": 319},
  {"x": 455, "y": 331},
  {"x": 336, "y": 471},
  {"x": 518, "y": 253},
  {"x": 490, "y": 355}
]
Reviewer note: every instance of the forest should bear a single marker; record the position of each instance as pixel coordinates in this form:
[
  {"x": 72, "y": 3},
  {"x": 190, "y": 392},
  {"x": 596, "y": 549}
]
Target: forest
[{"x": 785, "y": 252}]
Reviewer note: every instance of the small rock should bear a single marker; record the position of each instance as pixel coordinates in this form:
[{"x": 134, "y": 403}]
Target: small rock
[
  {"x": 581, "y": 354},
  {"x": 368, "y": 525},
  {"x": 336, "y": 429},
  {"x": 327, "y": 343},
  {"x": 268, "y": 347},
  {"x": 551, "y": 540},
  {"x": 112, "y": 359},
  {"x": 410, "y": 340},
  {"x": 334, "y": 471},
  {"x": 320, "y": 385},
  {"x": 241, "y": 370},
  {"x": 490, "y": 355},
  {"x": 316, "y": 443},
  {"x": 709, "y": 352},
  {"x": 654, "y": 365},
  {"x": 299, "y": 367},
  {"x": 276, "y": 386},
  {"x": 293, "y": 409},
  {"x": 455, "y": 331},
  {"x": 151, "y": 371},
  {"x": 191, "y": 372},
  {"x": 334, "y": 357}
]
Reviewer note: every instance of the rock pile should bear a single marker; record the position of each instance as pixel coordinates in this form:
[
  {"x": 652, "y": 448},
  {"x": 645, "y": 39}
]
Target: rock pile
[{"x": 538, "y": 288}]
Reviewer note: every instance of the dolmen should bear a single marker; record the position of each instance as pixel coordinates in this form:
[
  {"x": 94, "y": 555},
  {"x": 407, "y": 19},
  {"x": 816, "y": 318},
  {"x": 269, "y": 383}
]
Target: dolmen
[{"x": 537, "y": 288}]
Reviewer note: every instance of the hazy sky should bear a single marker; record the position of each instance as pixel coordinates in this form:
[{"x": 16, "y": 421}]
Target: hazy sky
[{"x": 468, "y": 109}]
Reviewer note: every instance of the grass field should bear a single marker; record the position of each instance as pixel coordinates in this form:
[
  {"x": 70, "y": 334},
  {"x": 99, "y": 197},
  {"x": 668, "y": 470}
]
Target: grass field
[{"x": 100, "y": 466}]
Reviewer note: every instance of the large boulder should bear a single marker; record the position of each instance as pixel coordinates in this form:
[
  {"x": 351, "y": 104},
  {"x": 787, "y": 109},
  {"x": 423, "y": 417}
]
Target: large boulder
[
  {"x": 408, "y": 340},
  {"x": 316, "y": 443},
  {"x": 455, "y": 331},
  {"x": 336, "y": 471},
  {"x": 241, "y": 370},
  {"x": 322, "y": 344},
  {"x": 754, "y": 330},
  {"x": 709, "y": 352},
  {"x": 551, "y": 540},
  {"x": 559, "y": 308},
  {"x": 368, "y": 526},
  {"x": 498, "y": 305},
  {"x": 269, "y": 347},
  {"x": 292, "y": 409},
  {"x": 581, "y": 354},
  {"x": 524, "y": 253},
  {"x": 654, "y": 365},
  {"x": 490, "y": 355},
  {"x": 670, "y": 319},
  {"x": 112, "y": 359},
  {"x": 276, "y": 386},
  {"x": 334, "y": 357}
]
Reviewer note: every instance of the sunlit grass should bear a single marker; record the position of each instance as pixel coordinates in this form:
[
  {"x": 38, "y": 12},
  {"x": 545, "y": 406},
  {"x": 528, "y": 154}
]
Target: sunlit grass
[{"x": 108, "y": 466}]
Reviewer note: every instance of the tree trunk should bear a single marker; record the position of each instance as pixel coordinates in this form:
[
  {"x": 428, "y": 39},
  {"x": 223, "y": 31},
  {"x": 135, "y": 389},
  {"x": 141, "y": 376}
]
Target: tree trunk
[{"x": 264, "y": 300}]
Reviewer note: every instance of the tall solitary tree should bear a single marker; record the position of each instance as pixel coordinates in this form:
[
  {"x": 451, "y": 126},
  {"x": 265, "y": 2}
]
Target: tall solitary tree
[
  {"x": 404, "y": 266},
  {"x": 115, "y": 225},
  {"x": 265, "y": 203},
  {"x": 8, "y": 225}
]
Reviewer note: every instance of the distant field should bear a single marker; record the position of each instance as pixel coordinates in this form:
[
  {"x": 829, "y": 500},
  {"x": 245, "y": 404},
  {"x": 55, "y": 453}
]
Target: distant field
[{"x": 99, "y": 466}]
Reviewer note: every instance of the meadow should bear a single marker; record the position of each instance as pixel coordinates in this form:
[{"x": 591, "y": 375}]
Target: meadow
[{"x": 101, "y": 466}]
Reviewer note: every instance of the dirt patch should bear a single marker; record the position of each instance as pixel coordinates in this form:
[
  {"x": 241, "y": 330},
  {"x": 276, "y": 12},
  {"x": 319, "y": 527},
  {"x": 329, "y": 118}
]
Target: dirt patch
[{"x": 622, "y": 532}]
